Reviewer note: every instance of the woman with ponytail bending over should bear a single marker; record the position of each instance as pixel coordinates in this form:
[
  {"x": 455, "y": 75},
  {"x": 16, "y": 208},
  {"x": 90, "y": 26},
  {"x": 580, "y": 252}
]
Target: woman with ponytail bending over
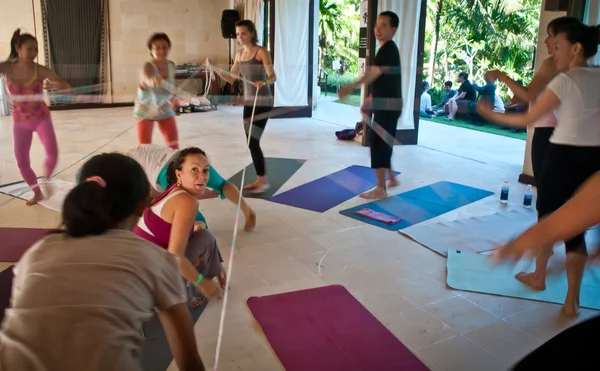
[{"x": 81, "y": 295}]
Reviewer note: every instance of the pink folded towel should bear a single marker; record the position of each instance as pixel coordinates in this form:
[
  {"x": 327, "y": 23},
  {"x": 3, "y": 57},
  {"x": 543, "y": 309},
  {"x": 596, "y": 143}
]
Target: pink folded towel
[{"x": 372, "y": 214}]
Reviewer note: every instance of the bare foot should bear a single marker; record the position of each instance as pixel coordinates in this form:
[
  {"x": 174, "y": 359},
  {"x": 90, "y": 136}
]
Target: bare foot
[
  {"x": 258, "y": 187},
  {"x": 250, "y": 221},
  {"x": 532, "y": 280},
  {"x": 374, "y": 194},
  {"x": 37, "y": 197},
  {"x": 392, "y": 182},
  {"x": 253, "y": 185},
  {"x": 570, "y": 308}
]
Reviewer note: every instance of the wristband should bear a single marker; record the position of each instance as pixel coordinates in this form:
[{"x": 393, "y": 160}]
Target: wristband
[
  {"x": 200, "y": 277},
  {"x": 505, "y": 79}
]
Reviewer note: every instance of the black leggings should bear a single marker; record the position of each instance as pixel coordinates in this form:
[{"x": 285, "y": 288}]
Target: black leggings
[
  {"x": 572, "y": 349},
  {"x": 381, "y": 139},
  {"x": 261, "y": 116},
  {"x": 539, "y": 148},
  {"x": 564, "y": 170}
]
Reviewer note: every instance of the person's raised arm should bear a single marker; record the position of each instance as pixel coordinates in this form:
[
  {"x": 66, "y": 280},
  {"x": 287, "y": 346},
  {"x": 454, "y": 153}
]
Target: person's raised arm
[
  {"x": 148, "y": 77},
  {"x": 545, "y": 104},
  {"x": 179, "y": 331},
  {"x": 56, "y": 82},
  {"x": 234, "y": 73},
  {"x": 540, "y": 79},
  {"x": 574, "y": 217},
  {"x": 367, "y": 79}
]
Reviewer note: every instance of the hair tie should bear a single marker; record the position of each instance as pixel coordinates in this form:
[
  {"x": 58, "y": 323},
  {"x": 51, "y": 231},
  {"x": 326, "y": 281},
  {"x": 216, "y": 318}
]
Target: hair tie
[{"x": 98, "y": 180}]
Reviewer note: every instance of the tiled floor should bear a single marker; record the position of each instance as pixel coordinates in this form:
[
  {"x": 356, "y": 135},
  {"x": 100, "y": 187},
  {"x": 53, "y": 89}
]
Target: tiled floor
[{"x": 399, "y": 281}]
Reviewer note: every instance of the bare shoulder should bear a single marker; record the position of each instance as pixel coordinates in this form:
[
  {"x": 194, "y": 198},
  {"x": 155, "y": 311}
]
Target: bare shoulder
[
  {"x": 184, "y": 200},
  {"x": 263, "y": 53},
  {"x": 548, "y": 68}
]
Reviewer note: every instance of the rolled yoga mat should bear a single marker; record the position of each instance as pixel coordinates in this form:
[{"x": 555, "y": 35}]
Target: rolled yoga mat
[
  {"x": 279, "y": 171},
  {"x": 326, "y": 328},
  {"x": 420, "y": 204},
  {"x": 15, "y": 241},
  {"x": 476, "y": 273},
  {"x": 60, "y": 189},
  {"x": 329, "y": 191}
]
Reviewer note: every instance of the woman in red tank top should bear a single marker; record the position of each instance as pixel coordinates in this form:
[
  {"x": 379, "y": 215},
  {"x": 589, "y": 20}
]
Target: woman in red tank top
[{"x": 25, "y": 84}]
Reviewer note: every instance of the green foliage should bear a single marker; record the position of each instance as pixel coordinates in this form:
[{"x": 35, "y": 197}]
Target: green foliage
[
  {"x": 339, "y": 34},
  {"x": 335, "y": 79},
  {"x": 473, "y": 36},
  {"x": 479, "y": 35}
]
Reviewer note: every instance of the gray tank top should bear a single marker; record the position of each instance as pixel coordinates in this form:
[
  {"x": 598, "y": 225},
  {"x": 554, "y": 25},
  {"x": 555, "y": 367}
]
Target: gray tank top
[{"x": 254, "y": 70}]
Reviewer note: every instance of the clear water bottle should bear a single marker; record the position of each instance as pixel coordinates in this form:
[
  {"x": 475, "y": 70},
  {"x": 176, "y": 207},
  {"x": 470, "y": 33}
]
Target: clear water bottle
[
  {"x": 528, "y": 197},
  {"x": 504, "y": 193}
]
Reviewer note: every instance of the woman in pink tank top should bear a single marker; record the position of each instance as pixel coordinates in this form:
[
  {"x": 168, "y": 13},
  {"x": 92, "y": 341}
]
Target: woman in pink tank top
[
  {"x": 169, "y": 222},
  {"x": 25, "y": 85}
]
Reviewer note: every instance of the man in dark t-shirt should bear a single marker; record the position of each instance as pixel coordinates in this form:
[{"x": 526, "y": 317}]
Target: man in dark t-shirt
[
  {"x": 386, "y": 103},
  {"x": 465, "y": 95}
]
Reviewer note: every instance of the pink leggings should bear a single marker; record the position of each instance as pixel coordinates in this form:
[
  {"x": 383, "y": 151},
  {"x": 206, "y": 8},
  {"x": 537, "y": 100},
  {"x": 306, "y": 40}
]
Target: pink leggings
[
  {"x": 168, "y": 128},
  {"x": 23, "y": 136}
]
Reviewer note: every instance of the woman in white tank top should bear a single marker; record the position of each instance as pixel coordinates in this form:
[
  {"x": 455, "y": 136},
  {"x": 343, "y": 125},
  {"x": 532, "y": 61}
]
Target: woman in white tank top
[{"x": 573, "y": 154}]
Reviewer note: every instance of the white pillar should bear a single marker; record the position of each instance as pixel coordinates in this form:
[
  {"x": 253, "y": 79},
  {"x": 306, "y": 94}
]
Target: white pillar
[{"x": 542, "y": 53}]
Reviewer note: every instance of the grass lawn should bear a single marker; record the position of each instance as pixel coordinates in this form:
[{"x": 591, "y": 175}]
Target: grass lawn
[{"x": 354, "y": 100}]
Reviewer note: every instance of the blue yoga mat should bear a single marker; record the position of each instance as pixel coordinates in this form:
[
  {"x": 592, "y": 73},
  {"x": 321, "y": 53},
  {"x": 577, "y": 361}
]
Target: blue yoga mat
[
  {"x": 420, "y": 204},
  {"x": 476, "y": 273},
  {"x": 329, "y": 191}
]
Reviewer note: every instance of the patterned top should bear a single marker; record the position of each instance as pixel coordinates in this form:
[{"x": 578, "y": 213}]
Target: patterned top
[
  {"x": 30, "y": 110},
  {"x": 153, "y": 103}
]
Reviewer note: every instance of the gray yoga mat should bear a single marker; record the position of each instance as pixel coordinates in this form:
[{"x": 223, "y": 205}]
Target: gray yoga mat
[
  {"x": 279, "y": 171},
  {"x": 476, "y": 235}
]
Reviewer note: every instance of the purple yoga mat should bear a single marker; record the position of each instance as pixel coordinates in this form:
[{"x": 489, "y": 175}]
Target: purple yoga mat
[
  {"x": 15, "y": 241},
  {"x": 327, "y": 329},
  {"x": 329, "y": 191}
]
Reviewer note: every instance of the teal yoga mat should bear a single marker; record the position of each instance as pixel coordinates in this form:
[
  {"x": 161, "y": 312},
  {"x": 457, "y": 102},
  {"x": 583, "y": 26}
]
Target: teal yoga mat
[
  {"x": 420, "y": 204},
  {"x": 475, "y": 272}
]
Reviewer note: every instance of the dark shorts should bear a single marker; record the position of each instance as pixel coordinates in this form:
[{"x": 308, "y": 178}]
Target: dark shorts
[
  {"x": 539, "y": 149},
  {"x": 564, "y": 169},
  {"x": 382, "y": 136}
]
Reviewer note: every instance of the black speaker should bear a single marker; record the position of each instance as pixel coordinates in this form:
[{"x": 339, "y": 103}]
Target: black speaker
[{"x": 228, "y": 19}]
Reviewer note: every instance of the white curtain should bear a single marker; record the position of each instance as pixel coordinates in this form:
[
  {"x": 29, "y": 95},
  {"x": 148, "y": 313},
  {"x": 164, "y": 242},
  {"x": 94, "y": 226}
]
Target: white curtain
[
  {"x": 291, "y": 53},
  {"x": 592, "y": 18},
  {"x": 407, "y": 39},
  {"x": 254, "y": 11}
]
